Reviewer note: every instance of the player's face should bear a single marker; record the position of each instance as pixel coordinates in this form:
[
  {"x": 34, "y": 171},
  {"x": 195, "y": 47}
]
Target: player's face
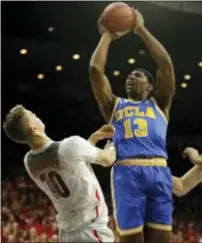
[
  {"x": 33, "y": 122},
  {"x": 137, "y": 85}
]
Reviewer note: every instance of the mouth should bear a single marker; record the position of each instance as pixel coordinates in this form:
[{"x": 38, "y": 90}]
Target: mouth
[{"x": 132, "y": 84}]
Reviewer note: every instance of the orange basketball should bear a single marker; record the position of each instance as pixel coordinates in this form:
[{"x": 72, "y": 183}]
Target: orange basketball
[{"x": 118, "y": 17}]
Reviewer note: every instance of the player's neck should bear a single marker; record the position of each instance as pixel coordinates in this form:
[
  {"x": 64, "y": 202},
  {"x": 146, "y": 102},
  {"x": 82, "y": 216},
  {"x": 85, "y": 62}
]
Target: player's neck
[
  {"x": 137, "y": 99},
  {"x": 39, "y": 142}
]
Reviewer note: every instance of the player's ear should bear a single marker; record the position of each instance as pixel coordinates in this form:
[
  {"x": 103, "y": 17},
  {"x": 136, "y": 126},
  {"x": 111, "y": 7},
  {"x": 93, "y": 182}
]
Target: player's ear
[
  {"x": 149, "y": 88},
  {"x": 32, "y": 129}
]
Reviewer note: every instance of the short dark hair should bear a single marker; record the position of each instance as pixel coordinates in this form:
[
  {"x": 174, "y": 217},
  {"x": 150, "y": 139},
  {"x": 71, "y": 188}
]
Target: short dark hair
[
  {"x": 13, "y": 125},
  {"x": 148, "y": 75}
]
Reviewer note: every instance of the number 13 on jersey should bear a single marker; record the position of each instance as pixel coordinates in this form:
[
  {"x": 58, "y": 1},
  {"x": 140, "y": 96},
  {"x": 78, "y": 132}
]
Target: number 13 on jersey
[{"x": 140, "y": 131}]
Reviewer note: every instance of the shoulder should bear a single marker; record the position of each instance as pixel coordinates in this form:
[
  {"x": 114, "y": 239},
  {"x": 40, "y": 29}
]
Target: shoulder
[
  {"x": 26, "y": 164},
  {"x": 72, "y": 147},
  {"x": 71, "y": 142},
  {"x": 68, "y": 146}
]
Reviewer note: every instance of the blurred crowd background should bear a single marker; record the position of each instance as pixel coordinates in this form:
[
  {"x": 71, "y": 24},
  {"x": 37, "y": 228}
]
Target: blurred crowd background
[
  {"x": 29, "y": 216},
  {"x": 46, "y": 48}
]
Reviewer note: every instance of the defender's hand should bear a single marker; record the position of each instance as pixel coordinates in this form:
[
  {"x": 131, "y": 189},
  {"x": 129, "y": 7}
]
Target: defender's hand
[
  {"x": 191, "y": 153},
  {"x": 139, "y": 20},
  {"x": 105, "y": 132},
  {"x": 107, "y": 129}
]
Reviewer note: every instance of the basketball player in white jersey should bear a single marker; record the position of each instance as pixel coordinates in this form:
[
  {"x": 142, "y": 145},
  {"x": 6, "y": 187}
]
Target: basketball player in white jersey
[
  {"x": 63, "y": 171},
  {"x": 182, "y": 185}
]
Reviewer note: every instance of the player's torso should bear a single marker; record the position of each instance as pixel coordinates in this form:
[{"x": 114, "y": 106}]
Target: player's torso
[
  {"x": 73, "y": 190},
  {"x": 141, "y": 129}
]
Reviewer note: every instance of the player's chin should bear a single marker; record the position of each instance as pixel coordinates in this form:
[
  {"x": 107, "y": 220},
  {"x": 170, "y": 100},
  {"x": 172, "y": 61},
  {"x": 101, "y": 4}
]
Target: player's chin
[{"x": 133, "y": 93}]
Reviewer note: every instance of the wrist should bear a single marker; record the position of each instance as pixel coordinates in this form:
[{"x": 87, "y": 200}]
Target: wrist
[
  {"x": 139, "y": 29},
  {"x": 92, "y": 139},
  {"x": 198, "y": 160},
  {"x": 107, "y": 37}
]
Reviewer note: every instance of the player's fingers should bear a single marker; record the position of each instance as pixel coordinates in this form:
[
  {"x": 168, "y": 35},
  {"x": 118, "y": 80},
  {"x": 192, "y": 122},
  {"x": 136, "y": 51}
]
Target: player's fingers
[
  {"x": 133, "y": 9},
  {"x": 101, "y": 27},
  {"x": 185, "y": 152},
  {"x": 109, "y": 134},
  {"x": 136, "y": 12},
  {"x": 120, "y": 34},
  {"x": 105, "y": 135},
  {"x": 107, "y": 128}
]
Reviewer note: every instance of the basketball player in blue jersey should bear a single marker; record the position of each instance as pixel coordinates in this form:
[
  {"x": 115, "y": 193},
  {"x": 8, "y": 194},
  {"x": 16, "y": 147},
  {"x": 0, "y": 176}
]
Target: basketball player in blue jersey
[{"x": 141, "y": 181}]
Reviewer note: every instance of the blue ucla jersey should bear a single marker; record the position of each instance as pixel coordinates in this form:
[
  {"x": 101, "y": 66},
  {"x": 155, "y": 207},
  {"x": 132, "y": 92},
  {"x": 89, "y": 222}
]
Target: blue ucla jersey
[{"x": 141, "y": 129}]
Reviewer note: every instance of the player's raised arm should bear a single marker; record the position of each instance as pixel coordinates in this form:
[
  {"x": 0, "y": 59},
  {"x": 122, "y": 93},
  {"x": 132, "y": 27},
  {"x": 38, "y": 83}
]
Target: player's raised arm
[
  {"x": 165, "y": 78},
  {"x": 182, "y": 185},
  {"x": 99, "y": 81}
]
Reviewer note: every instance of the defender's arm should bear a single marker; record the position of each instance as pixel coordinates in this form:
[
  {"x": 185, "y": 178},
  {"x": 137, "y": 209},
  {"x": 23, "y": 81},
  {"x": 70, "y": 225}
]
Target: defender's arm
[
  {"x": 105, "y": 132},
  {"x": 184, "y": 184},
  {"x": 78, "y": 150}
]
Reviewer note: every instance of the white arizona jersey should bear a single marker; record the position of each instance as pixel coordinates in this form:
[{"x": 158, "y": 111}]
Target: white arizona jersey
[{"x": 63, "y": 171}]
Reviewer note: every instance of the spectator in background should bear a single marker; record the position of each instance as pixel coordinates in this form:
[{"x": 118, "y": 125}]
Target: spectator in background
[{"x": 23, "y": 225}]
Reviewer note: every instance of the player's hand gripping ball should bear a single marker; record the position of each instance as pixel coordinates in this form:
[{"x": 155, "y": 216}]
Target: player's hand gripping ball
[{"x": 118, "y": 17}]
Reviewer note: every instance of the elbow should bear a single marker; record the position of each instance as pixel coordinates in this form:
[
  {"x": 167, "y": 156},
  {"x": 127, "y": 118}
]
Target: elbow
[
  {"x": 181, "y": 190},
  {"x": 107, "y": 165},
  {"x": 109, "y": 162},
  {"x": 167, "y": 64},
  {"x": 94, "y": 69},
  {"x": 179, "y": 193},
  {"x": 110, "y": 158},
  {"x": 178, "y": 187},
  {"x": 170, "y": 66}
]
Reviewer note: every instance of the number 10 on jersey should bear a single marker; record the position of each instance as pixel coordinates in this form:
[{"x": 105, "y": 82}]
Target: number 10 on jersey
[
  {"x": 140, "y": 131},
  {"x": 55, "y": 183}
]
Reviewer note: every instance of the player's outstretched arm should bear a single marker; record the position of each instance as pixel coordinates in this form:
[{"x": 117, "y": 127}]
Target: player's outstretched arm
[
  {"x": 107, "y": 156},
  {"x": 182, "y": 185},
  {"x": 76, "y": 150},
  {"x": 165, "y": 80}
]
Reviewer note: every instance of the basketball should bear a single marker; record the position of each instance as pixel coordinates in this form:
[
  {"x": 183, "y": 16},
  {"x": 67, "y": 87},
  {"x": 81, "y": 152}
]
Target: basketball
[{"x": 118, "y": 17}]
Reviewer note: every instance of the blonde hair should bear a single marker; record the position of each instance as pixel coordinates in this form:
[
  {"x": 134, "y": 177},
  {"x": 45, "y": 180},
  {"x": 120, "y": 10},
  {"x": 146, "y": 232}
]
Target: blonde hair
[{"x": 13, "y": 125}]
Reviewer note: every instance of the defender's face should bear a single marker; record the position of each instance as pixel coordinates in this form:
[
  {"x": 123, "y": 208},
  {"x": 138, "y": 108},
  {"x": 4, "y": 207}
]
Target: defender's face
[
  {"x": 136, "y": 84},
  {"x": 33, "y": 122}
]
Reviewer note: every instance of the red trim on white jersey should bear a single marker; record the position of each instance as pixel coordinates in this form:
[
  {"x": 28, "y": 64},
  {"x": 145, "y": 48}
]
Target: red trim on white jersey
[
  {"x": 95, "y": 233},
  {"x": 97, "y": 196}
]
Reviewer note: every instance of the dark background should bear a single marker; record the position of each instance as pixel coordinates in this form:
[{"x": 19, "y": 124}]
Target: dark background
[{"x": 63, "y": 100}]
